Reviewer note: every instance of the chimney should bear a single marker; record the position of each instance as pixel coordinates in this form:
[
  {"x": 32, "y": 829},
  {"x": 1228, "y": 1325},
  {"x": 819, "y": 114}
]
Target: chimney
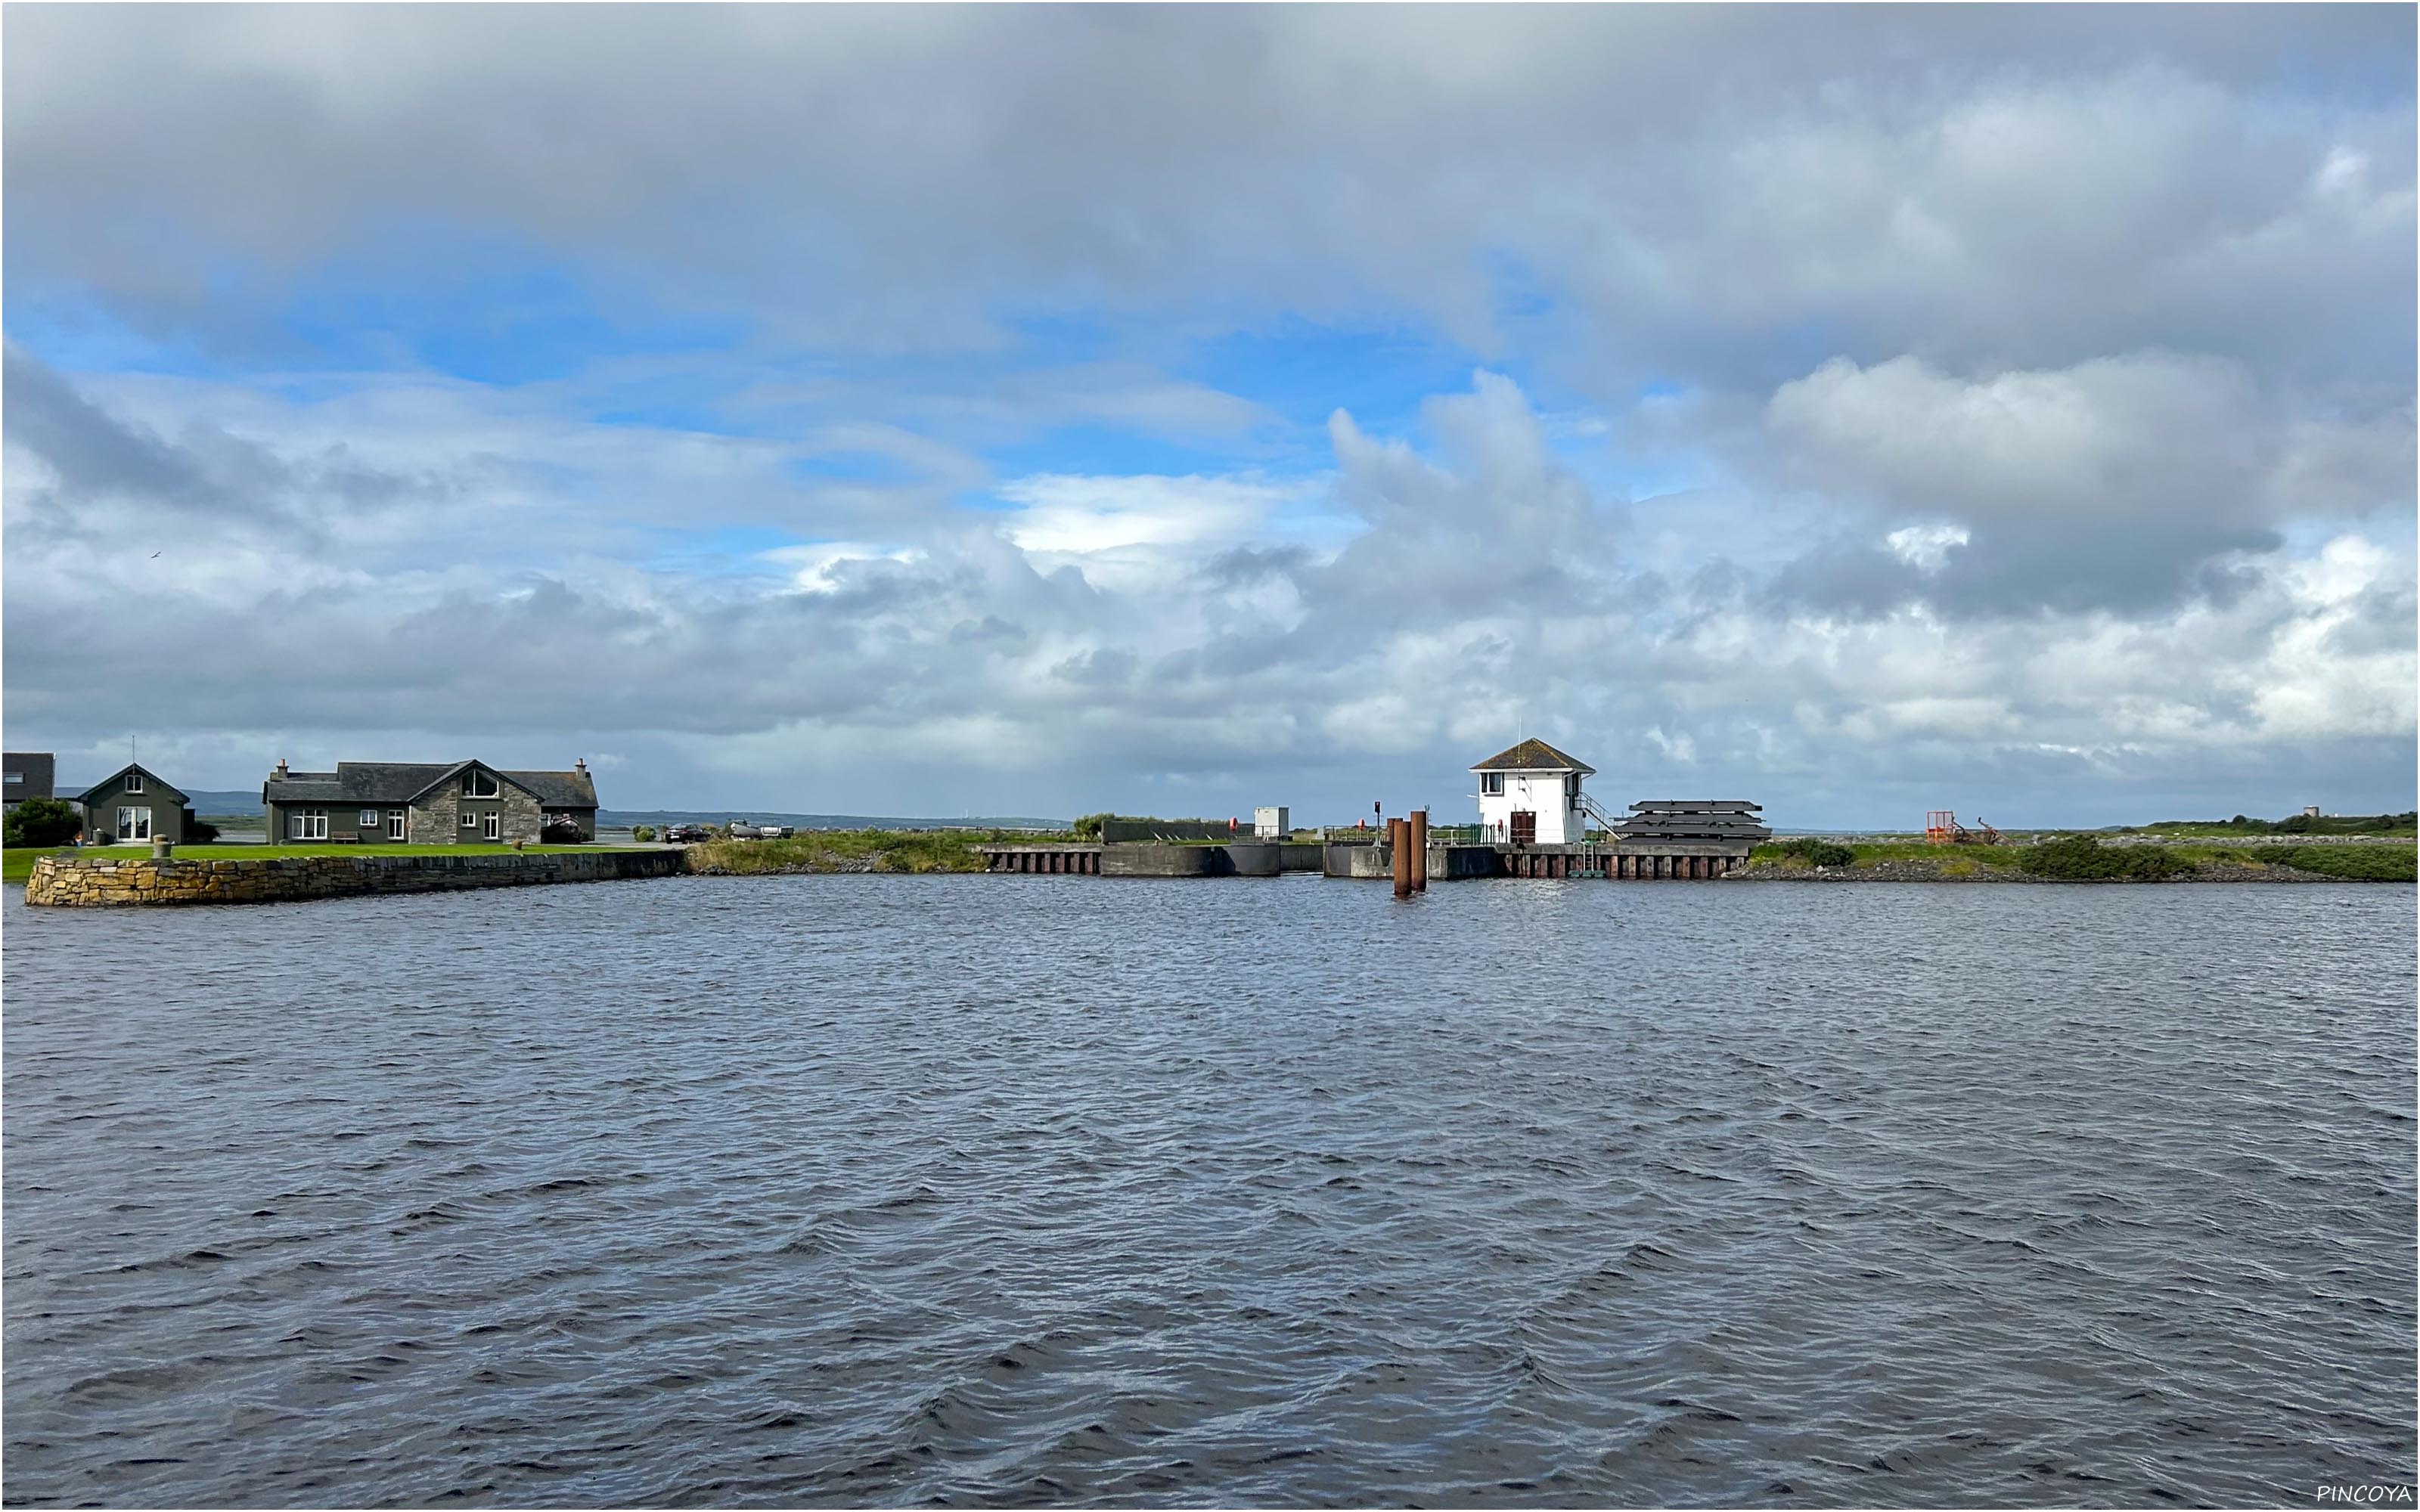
[
  {"x": 580, "y": 764},
  {"x": 280, "y": 773}
]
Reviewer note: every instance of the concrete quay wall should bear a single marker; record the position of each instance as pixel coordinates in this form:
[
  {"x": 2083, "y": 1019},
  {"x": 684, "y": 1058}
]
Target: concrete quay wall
[
  {"x": 1460, "y": 863},
  {"x": 86, "y": 882},
  {"x": 1148, "y": 860},
  {"x": 1245, "y": 859},
  {"x": 1447, "y": 863},
  {"x": 1365, "y": 863}
]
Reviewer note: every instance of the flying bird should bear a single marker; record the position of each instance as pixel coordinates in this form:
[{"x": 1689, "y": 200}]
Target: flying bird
[{"x": 156, "y": 553}]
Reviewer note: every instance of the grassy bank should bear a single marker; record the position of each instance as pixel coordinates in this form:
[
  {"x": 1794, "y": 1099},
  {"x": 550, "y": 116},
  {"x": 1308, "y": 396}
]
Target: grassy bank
[
  {"x": 2353, "y": 863},
  {"x": 1790, "y": 856},
  {"x": 18, "y": 864},
  {"x": 2385, "y": 823},
  {"x": 854, "y": 850},
  {"x": 2081, "y": 859}
]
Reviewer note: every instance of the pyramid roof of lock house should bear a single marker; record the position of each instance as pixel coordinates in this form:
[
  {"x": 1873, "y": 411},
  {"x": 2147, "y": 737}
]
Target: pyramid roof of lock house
[{"x": 1534, "y": 755}]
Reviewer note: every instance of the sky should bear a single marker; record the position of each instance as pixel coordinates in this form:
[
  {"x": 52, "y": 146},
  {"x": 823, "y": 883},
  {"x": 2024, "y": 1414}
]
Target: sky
[{"x": 928, "y": 410}]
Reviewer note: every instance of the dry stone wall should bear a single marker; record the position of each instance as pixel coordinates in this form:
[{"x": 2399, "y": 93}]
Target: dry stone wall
[{"x": 83, "y": 881}]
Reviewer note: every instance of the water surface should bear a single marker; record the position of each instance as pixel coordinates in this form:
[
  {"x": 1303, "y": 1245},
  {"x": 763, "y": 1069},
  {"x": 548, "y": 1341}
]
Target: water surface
[{"x": 1015, "y": 1190}]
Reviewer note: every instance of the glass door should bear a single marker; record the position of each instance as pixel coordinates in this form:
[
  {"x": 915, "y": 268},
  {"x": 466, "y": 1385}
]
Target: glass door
[
  {"x": 395, "y": 825},
  {"x": 492, "y": 826}
]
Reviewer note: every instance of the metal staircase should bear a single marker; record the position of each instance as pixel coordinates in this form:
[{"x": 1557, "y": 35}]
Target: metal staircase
[
  {"x": 1595, "y": 811},
  {"x": 1590, "y": 861}
]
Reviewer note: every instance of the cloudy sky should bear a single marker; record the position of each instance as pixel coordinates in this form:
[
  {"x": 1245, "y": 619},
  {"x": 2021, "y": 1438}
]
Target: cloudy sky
[{"x": 920, "y": 410}]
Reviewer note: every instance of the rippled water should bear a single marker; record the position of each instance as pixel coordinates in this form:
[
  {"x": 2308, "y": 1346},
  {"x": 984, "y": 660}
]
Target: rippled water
[{"x": 975, "y": 1189}]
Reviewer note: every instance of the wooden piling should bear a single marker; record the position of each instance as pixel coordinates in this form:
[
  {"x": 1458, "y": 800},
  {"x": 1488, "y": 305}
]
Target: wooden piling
[
  {"x": 1399, "y": 845},
  {"x": 1419, "y": 824}
]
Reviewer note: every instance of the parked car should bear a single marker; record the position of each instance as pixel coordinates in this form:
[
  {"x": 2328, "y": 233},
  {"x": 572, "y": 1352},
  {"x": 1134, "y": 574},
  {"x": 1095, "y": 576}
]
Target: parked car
[
  {"x": 748, "y": 831},
  {"x": 685, "y": 834}
]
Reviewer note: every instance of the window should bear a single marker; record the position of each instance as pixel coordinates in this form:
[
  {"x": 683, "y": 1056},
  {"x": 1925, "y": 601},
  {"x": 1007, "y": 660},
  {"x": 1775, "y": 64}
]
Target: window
[
  {"x": 16, "y": 779},
  {"x": 479, "y": 784},
  {"x": 1490, "y": 784},
  {"x": 369, "y": 819},
  {"x": 395, "y": 823},
  {"x": 304, "y": 824},
  {"x": 134, "y": 823},
  {"x": 494, "y": 826},
  {"x": 469, "y": 819},
  {"x": 133, "y": 781},
  {"x": 1572, "y": 788}
]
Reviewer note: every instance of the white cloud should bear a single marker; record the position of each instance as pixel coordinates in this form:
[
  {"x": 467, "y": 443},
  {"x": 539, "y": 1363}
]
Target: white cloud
[
  {"x": 1060, "y": 515},
  {"x": 1926, "y": 546}
]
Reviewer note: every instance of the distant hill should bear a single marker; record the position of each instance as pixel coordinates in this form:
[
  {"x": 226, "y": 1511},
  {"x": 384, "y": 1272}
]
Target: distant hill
[{"x": 246, "y": 802}]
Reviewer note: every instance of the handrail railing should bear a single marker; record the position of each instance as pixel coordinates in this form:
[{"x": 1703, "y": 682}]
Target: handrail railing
[{"x": 1596, "y": 810}]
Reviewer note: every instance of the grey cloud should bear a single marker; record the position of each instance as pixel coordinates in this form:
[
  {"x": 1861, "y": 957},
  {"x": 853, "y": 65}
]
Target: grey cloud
[
  {"x": 2381, "y": 620},
  {"x": 103, "y": 467},
  {"x": 1246, "y": 564},
  {"x": 90, "y": 450},
  {"x": 1102, "y": 669},
  {"x": 1712, "y": 188},
  {"x": 2119, "y": 483}
]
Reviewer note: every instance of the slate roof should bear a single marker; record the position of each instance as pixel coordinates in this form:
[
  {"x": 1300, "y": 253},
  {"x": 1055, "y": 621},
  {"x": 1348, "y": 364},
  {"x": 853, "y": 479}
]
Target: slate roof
[
  {"x": 559, "y": 790},
  {"x": 151, "y": 783},
  {"x": 401, "y": 782},
  {"x": 1534, "y": 756}
]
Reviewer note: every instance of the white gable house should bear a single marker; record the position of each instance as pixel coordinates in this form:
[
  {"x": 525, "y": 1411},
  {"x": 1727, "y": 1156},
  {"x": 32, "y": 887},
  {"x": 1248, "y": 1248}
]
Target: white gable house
[{"x": 1530, "y": 795}]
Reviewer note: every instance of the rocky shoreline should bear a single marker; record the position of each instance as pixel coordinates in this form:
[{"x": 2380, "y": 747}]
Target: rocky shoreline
[{"x": 1932, "y": 872}]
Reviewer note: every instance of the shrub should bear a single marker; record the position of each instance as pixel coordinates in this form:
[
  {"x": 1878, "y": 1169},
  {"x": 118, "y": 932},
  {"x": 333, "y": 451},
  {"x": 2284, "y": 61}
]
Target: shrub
[
  {"x": 2081, "y": 858},
  {"x": 1817, "y": 852},
  {"x": 642, "y": 832},
  {"x": 1088, "y": 827},
  {"x": 2352, "y": 863},
  {"x": 41, "y": 822}
]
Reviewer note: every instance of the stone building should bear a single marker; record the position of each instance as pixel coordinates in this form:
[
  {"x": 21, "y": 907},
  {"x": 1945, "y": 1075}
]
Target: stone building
[{"x": 430, "y": 803}]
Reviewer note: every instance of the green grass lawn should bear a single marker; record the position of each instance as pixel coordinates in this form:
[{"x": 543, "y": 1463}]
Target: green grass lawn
[
  {"x": 885, "y": 850},
  {"x": 17, "y": 864}
]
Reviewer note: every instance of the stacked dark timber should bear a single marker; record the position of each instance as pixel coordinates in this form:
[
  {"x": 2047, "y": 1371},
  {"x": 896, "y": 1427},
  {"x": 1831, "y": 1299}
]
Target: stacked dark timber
[
  {"x": 1694, "y": 819},
  {"x": 1687, "y": 838}
]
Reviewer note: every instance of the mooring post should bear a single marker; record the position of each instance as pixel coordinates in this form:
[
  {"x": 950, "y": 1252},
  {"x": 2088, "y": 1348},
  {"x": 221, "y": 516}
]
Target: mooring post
[
  {"x": 1419, "y": 827},
  {"x": 1399, "y": 845}
]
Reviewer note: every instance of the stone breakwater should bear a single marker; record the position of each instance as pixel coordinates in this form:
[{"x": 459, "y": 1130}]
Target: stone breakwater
[{"x": 86, "y": 882}]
